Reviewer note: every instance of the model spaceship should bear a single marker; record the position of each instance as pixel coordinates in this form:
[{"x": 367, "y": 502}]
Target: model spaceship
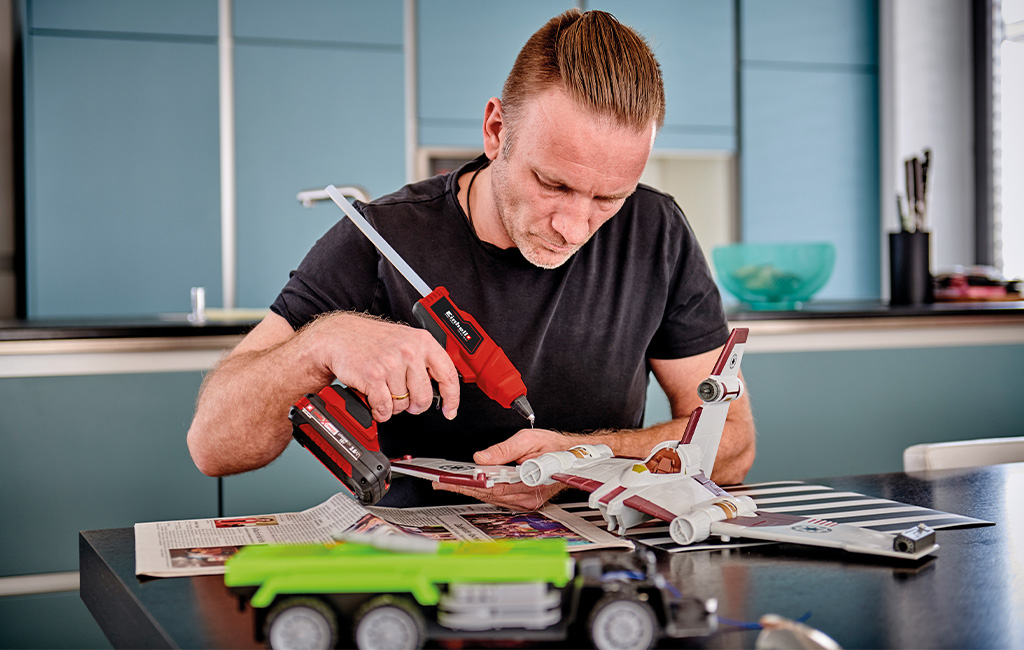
[
  {"x": 673, "y": 483},
  {"x": 449, "y": 471}
]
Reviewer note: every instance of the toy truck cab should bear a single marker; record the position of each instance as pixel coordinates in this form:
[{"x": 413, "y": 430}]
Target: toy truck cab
[{"x": 323, "y": 596}]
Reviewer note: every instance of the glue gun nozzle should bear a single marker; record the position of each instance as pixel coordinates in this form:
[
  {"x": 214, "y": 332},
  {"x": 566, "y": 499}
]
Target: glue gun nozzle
[{"x": 521, "y": 405}]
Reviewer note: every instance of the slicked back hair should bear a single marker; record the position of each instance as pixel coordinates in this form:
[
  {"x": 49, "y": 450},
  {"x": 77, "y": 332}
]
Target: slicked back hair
[{"x": 602, "y": 64}]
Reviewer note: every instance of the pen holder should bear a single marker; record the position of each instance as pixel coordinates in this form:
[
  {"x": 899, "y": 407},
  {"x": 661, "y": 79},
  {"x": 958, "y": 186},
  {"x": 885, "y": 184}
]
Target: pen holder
[{"x": 910, "y": 278}]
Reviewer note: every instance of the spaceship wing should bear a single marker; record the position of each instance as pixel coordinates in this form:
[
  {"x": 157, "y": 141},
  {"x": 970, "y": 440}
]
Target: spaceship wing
[
  {"x": 652, "y": 506},
  {"x": 912, "y": 545},
  {"x": 592, "y": 477},
  {"x": 447, "y": 471}
]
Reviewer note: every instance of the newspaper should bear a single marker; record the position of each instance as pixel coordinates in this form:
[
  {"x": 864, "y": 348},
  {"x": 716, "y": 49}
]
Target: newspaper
[{"x": 201, "y": 546}]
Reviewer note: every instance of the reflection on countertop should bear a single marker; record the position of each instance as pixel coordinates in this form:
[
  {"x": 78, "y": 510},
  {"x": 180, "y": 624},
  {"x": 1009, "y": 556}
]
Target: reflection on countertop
[
  {"x": 218, "y": 323},
  {"x": 815, "y": 309}
]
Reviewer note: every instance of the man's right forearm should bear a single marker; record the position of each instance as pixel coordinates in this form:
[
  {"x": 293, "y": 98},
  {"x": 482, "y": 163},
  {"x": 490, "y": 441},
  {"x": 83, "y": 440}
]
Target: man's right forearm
[{"x": 241, "y": 420}]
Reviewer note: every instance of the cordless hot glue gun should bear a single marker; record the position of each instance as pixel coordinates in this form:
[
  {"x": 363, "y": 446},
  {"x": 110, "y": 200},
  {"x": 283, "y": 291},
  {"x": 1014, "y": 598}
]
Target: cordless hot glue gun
[{"x": 336, "y": 424}]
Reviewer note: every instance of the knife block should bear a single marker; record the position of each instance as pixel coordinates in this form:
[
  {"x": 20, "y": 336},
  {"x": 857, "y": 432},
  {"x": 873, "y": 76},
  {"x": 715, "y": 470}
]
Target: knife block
[{"x": 910, "y": 277}]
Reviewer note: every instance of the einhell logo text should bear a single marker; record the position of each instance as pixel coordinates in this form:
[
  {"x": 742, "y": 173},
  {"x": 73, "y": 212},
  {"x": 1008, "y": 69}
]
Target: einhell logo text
[
  {"x": 452, "y": 321},
  {"x": 457, "y": 325}
]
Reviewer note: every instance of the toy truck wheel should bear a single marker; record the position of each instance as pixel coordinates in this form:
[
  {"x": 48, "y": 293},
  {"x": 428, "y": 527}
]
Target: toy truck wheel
[
  {"x": 302, "y": 622},
  {"x": 619, "y": 622},
  {"x": 389, "y": 623}
]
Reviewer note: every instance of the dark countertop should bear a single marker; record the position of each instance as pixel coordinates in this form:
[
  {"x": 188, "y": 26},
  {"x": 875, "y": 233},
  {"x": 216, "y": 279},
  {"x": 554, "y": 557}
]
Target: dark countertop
[
  {"x": 966, "y": 596},
  {"x": 177, "y": 325},
  {"x": 170, "y": 325}
]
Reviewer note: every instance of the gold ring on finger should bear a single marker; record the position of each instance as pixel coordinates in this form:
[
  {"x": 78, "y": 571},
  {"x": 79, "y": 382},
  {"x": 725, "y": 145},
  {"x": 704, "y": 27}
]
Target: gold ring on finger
[{"x": 400, "y": 397}]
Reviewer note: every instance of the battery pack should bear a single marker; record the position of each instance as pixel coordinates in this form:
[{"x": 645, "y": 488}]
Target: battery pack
[{"x": 336, "y": 426}]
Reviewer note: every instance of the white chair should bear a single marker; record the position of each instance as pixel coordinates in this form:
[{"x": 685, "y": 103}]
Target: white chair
[{"x": 963, "y": 453}]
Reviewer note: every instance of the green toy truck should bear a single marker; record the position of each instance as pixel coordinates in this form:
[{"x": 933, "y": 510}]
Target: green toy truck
[{"x": 373, "y": 596}]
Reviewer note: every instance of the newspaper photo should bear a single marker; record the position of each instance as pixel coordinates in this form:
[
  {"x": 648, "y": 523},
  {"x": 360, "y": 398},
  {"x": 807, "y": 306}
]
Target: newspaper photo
[
  {"x": 201, "y": 546},
  {"x": 483, "y": 521}
]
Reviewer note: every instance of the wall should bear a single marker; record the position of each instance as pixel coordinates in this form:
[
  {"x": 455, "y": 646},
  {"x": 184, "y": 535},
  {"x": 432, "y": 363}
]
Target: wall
[
  {"x": 927, "y": 44},
  {"x": 704, "y": 186}
]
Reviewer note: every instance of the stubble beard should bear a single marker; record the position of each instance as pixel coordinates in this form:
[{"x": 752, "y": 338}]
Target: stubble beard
[{"x": 509, "y": 210}]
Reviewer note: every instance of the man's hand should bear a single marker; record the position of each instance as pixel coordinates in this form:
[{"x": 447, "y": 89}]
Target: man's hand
[
  {"x": 241, "y": 420},
  {"x": 508, "y": 495},
  {"x": 390, "y": 363},
  {"x": 524, "y": 445}
]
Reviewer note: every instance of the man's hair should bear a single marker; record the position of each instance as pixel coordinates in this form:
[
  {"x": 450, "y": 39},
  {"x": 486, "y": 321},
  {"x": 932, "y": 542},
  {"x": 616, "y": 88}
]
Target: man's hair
[{"x": 601, "y": 63}]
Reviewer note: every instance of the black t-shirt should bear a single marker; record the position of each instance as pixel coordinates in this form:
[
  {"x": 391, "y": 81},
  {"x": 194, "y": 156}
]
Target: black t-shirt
[{"x": 580, "y": 334}]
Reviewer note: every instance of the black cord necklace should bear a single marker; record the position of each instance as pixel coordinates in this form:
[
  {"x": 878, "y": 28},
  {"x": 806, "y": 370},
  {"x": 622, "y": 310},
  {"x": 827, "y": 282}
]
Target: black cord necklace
[{"x": 469, "y": 204}]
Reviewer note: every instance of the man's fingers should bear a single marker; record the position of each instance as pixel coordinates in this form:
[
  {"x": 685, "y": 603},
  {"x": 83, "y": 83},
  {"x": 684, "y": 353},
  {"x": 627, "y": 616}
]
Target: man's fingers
[
  {"x": 441, "y": 368},
  {"x": 516, "y": 497},
  {"x": 421, "y": 393},
  {"x": 497, "y": 454},
  {"x": 399, "y": 396},
  {"x": 393, "y": 364},
  {"x": 382, "y": 405},
  {"x": 522, "y": 445}
]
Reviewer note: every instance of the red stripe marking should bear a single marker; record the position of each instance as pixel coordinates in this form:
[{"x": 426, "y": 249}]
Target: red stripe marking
[
  {"x": 649, "y": 508},
  {"x": 611, "y": 495},
  {"x": 762, "y": 518},
  {"x": 691, "y": 426},
  {"x": 710, "y": 485},
  {"x": 578, "y": 482},
  {"x": 739, "y": 335},
  {"x": 456, "y": 479}
]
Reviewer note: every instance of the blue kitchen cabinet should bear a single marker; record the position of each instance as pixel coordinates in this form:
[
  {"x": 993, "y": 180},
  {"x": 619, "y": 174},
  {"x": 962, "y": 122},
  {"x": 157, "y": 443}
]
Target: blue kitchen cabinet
[
  {"x": 694, "y": 41},
  {"x": 29, "y": 622},
  {"x": 122, "y": 143},
  {"x": 810, "y": 133},
  {"x": 310, "y": 112},
  {"x": 812, "y": 32},
  {"x": 82, "y": 453},
  {"x": 810, "y": 168},
  {"x": 121, "y": 171},
  {"x": 319, "y": 99},
  {"x": 178, "y": 19},
  {"x": 293, "y": 482},
  {"x": 93, "y": 451},
  {"x": 324, "y": 22},
  {"x": 853, "y": 419},
  {"x": 465, "y": 49}
]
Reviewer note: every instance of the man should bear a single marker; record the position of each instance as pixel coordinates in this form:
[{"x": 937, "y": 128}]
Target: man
[{"x": 587, "y": 280}]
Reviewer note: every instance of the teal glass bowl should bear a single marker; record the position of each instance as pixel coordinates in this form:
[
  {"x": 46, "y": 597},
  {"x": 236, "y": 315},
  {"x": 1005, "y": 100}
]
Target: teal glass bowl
[{"x": 774, "y": 276}]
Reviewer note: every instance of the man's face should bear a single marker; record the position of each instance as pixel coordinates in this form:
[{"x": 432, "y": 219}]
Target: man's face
[{"x": 568, "y": 172}]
